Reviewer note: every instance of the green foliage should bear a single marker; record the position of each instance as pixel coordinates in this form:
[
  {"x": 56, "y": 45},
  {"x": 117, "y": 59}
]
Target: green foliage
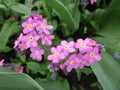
[
  {"x": 71, "y": 20},
  {"x": 7, "y": 30},
  {"x": 17, "y": 7},
  {"x": 14, "y": 81},
  {"x": 107, "y": 70},
  {"x": 64, "y": 14},
  {"x": 54, "y": 85}
]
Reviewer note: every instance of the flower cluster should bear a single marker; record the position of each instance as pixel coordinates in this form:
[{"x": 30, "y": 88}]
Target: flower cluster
[
  {"x": 67, "y": 55},
  {"x": 34, "y": 28},
  {"x": 71, "y": 55}
]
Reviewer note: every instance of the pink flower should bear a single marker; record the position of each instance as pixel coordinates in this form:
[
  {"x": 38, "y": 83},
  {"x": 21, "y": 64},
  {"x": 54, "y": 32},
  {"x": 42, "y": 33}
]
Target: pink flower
[
  {"x": 22, "y": 46},
  {"x": 92, "y": 1},
  {"x": 92, "y": 43},
  {"x": 93, "y": 55},
  {"x": 83, "y": 61},
  {"x": 37, "y": 16},
  {"x": 68, "y": 47},
  {"x": 56, "y": 55},
  {"x": 47, "y": 39},
  {"x": 19, "y": 69},
  {"x": 2, "y": 62},
  {"x": 31, "y": 39},
  {"x": 72, "y": 63},
  {"x": 62, "y": 66},
  {"x": 36, "y": 53},
  {"x": 43, "y": 27},
  {"x": 82, "y": 44},
  {"x": 16, "y": 43},
  {"x": 28, "y": 26}
]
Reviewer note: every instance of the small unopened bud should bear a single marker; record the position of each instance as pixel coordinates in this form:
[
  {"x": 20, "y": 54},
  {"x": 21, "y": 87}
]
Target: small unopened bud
[
  {"x": 116, "y": 56},
  {"x": 62, "y": 66},
  {"x": 101, "y": 48},
  {"x": 53, "y": 77}
]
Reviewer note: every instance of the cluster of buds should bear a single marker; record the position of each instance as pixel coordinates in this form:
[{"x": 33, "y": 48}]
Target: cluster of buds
[
  {"x": 71, "y": 55},
  {"x": 34, "y": 28}
]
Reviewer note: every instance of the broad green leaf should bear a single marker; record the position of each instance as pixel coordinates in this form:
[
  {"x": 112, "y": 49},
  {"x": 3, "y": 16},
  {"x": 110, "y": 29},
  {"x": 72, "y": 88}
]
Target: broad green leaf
[
  {"x": 17, "y": 81},
  {"x": 54, "y": 85},
  {"x": 108, "y": 69},
  {"x": 110, "y": 23},
  {"x": 107, "y": 72},
  {"x": 20, "y": 8},
  {"x": 64, "y": 15},
  {"x": 9, "y": 28}
]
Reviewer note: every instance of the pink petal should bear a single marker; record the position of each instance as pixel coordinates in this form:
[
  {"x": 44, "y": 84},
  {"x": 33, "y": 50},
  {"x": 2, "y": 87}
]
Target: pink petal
[
  {"x": 43, "y": 41},
  {"x": 24, "y": 24},
  {"x": 49, "y": 27},
  {"x": 50, "y": 57},
  {"x": 53, "y": 49},
  {"x": 71, "y": 44},
  {"x": 64, "y": 43}
]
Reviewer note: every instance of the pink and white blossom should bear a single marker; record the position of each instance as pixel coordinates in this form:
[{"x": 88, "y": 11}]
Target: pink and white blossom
[
  {"x": 36, "y": 53},
  {"x": 43, "y": 27},
  {"x": 56, "y": 55},
  {"x": 28, "y": 26},
  {"x": 46, "y": 39},
  {"x": 68, "y": 47}
]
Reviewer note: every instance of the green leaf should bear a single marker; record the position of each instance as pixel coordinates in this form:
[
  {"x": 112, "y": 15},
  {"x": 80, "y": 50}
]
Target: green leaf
[
  {"x": 27, "y": 2},
  {"x": 110, "y": 24},
  {"x": 20, "y": 8},
  {"x": 78, "y": 71},
  {"x": 64, "y": 14},
  {"x": 5, "y": 69},
  {"x": 5, "y": 49},
  {"x": 87, "y": 71},
  {"x": 108, "y": 69},
  {"x": 17, "y": 81},
  {"x": 36, "y": 67},
  {"x": 107, "y": 72},
  {"x": 54, "y": 85},
  {"x": 9, "y": 28},
  {"x": 33, "y": 66}
]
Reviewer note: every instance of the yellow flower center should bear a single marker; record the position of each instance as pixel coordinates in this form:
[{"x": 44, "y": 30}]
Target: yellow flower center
[
  {"x": 83, "y": 62},
  {"x": 56, "y": 54},
  {"x": 92, "y": 54},
  {"x": 29, "y": 26},
  {"x": 36, "y": 52},
  {"x": 66, "y": 47},
  {"x": 72, "y": 62},
  {"x": 43, "y": 26},
  {"x": 83, "y": 45},
  {"x": 31, "y": 38}
]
